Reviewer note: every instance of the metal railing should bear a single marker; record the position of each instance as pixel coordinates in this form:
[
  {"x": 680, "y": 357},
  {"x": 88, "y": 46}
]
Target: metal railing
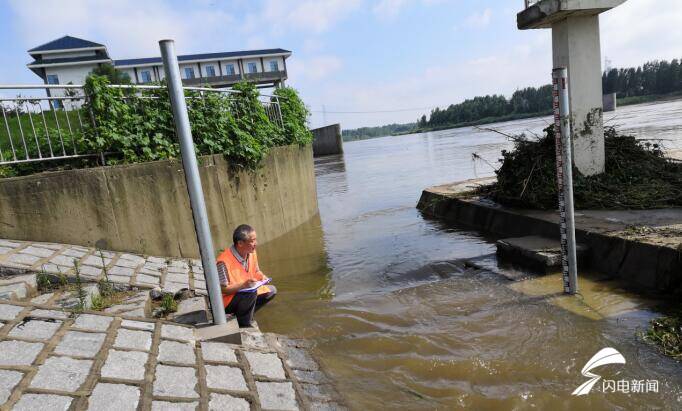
[{"x": 37, "y": 129}]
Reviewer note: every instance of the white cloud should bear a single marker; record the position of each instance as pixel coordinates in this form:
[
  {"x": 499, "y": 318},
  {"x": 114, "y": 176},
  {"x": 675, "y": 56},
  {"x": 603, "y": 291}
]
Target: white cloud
[
  {"x": 479, "y": 20},
  {"x": 387, "y": 9},
  {"x": 129, "y": 28},
  {"x": 639, "y": 30},
  {"x": 315, "y": 16},
  {"x": 312, "y": 69},
  {"x": 500, "y": 72}
]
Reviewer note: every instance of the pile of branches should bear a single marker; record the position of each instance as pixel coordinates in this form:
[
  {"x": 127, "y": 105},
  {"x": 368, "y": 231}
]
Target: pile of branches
[{"x": 637, "y": 176}]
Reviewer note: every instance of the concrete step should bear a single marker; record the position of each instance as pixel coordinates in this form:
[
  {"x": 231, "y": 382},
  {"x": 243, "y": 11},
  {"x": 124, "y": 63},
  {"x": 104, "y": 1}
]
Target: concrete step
[
  {"x": 537, "y": 253},
  {"x": 191, "y": 311}
]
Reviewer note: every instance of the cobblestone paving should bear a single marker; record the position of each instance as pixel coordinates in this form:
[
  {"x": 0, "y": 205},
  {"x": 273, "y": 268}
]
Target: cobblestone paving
[
  {"x": 54, "y": 359},
  {"x": 170, "y": 274},
  {"x": 103, "y": 362}
]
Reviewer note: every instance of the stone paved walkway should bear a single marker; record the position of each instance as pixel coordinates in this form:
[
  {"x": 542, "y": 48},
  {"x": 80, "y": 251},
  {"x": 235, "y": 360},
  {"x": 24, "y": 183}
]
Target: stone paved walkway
[
  {"x": 170, "y": 274},
  {"x": 56, "y": 359}
]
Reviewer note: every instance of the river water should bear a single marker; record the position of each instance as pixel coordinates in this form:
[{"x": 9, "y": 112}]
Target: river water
[{"x": 359, "y": 283}]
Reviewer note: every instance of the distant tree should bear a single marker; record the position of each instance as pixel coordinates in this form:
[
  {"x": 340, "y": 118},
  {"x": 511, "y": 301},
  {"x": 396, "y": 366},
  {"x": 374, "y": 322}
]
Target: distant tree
[{"x": 114, "y": 75}]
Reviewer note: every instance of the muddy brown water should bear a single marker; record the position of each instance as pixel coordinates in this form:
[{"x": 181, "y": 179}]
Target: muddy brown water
[{"x": 396, "y": 329}]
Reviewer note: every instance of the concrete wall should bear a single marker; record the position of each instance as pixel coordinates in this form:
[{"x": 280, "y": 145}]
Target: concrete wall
[
  {"x": 646, "y": 267},
  {"x": 327, "y": 140},
  {"x": 144, "y": 208},
  {"x": 575, "y": 45},
  {"x": 609, "y": 101}
]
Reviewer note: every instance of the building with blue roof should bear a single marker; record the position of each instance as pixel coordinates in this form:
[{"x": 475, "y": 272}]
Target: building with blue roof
[{"x": 70, "y": 59}]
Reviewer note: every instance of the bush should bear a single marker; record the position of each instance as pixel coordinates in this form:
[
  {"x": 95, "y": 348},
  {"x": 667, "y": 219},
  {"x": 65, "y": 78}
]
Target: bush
[
  {"x": 294, "y": 117},
  {"x": 136, "y": 125},
  {"x": 637, "y": 176}
]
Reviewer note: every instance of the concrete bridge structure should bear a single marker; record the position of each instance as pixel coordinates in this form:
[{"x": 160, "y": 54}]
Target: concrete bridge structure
[{"x": 576, "y": 46}]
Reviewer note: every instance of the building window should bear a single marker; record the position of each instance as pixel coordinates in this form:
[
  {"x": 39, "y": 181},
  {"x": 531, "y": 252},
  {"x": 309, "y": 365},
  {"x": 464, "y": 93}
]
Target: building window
[
  {"x": 189, "y": 72},
  {"x": 146, "y": 76},
  {"x": 210, "y": 71},
  {"x": 230, "y": 69},
  {"x": 273, "y": 65},
  {"x": 52, "y": 79},
  {"x": 252, "y": 68}
]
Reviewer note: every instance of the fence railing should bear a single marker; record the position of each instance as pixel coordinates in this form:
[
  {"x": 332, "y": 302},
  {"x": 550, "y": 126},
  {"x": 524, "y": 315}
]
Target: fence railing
[{"x": 37, "y": 129}]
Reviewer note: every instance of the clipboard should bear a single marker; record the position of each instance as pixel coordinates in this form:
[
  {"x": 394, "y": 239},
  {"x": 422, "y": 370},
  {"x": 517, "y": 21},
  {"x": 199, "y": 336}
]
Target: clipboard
[{"x": 254, "y": 288}]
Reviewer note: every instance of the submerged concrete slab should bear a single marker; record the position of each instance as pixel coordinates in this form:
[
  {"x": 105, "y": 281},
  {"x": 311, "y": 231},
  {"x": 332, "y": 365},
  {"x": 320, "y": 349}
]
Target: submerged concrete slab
[
  {"x": 538, "y": 253},
  {"x": 637, "y": 246}
]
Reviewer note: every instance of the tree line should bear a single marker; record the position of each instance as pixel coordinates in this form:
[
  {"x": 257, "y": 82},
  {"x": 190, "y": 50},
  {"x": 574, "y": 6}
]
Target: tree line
[
  {"x": 530, "y": 100},
  {"x": 651, "y": 79},
  {"x": 654, "y": 77}
]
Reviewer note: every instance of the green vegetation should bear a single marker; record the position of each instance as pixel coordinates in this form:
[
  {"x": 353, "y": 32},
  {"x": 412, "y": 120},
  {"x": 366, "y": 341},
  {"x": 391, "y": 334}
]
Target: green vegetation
[
  {"x": 78, "y": 287},
  {"x": 381, "y": 131},
  {"x": 294, "y": 117},
  {"x": 168, "y": 305},
  {"x": 637, "y": 176},
  {"x": 530, "y": 100},
  {"x": 652, "y": 78},
  {"x": 136, "y": 125},
  {"x": 43, "y": 281},
  {"x": 666, "y": 333},
  {"x": 114, "y": 75}
]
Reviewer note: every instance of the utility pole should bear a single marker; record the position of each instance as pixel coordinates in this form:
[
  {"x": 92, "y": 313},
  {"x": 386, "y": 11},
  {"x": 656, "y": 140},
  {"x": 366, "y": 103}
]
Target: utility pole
[{"x": 189, "y": 164}]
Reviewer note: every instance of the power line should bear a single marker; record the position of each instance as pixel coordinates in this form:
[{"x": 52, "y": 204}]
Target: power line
[{"x": 373, "y": 111}]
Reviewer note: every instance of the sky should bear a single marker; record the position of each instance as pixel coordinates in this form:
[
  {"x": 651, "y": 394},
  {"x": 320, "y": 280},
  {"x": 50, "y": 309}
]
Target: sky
[{"x": 355, "y": 62}]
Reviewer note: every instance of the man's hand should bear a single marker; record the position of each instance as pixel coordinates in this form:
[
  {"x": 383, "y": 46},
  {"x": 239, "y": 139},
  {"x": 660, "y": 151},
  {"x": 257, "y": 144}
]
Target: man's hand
[{"x": 248, "y": 284}]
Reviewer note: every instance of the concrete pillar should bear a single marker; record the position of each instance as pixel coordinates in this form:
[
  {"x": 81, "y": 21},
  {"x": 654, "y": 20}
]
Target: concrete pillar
[{"x": 576, "y": 46}]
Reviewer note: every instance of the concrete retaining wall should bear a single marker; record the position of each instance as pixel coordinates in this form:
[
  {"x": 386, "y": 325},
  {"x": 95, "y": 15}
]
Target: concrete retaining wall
[
  {"x": 609, "y": 102},
  {"x": 327, "y": 140},
  {"x": 144, "y": 208},
  {"x": 645, "y": 266}
]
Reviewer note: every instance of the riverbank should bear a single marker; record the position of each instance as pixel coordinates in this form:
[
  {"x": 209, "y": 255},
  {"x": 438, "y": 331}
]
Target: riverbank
[
  {"x": 641, "y": 247},
  {"x": 622, "y": 102}
]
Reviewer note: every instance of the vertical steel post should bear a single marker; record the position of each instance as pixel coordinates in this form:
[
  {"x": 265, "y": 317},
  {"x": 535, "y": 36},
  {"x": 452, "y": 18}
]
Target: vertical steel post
[
  {"x": 189, "y": 163},
  {"x": 564, "y": 165}
]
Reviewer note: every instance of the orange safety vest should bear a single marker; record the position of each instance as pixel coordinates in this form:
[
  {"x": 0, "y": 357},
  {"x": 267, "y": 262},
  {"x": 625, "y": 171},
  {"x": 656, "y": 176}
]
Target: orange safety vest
[{"x": 237, "y": 274}]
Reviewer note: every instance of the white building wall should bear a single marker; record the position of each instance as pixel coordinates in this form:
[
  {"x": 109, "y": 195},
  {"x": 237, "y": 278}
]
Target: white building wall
[
  {"x": 130, "y": 73},
  {"x": 215, "y": 64},
  {"x": 259, "y": 68},
  {"x": 279, "y": 60},
  {"x": 193, "y": 65},
  {"x": 52, "y": 56},
  {"x": 225, "y": 63},
  {"x": 69, "y": 74}
]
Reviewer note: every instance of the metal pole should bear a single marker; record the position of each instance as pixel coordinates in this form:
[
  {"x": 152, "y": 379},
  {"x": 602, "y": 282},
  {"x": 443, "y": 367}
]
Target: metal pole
[
  {"x": 189, "y": 163},
  {"x": 562, "y": 132}
]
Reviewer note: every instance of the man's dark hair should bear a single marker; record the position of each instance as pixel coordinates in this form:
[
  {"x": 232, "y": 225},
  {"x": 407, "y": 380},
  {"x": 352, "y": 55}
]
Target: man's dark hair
[{"x": 241, "y": 233}]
